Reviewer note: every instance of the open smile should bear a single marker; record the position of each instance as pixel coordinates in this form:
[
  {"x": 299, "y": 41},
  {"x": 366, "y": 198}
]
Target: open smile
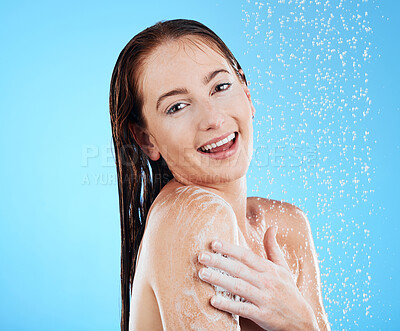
[{"x": 221, "y": 149}]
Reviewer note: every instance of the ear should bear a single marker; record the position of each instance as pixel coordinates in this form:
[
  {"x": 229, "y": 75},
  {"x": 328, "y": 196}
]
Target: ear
[
  {"x": 142, "y": 138},
  {"x": 247, "y": 91}
]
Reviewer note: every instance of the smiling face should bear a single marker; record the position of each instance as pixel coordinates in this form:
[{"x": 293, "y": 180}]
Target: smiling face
[{"x": 203, "y": 129}]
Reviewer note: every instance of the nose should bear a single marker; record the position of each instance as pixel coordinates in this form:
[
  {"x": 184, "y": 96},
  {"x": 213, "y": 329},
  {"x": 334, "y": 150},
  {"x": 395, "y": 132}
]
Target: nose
[{"x": 211, "y": 117}]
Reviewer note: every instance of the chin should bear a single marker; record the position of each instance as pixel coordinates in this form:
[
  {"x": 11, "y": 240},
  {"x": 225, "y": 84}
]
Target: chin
[
  {"x": 208, "y": 173},
  {"x": 220, "y": 177}
]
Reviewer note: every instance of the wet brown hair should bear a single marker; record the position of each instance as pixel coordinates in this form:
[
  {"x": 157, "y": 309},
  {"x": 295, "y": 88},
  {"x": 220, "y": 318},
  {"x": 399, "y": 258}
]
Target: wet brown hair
[{"x": 139, "y": 178}]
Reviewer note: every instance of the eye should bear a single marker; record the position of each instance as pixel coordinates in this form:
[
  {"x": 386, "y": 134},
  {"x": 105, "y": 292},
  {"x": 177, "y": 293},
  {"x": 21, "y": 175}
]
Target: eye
[
  {"x": 222, "y": 87},
  {"x": 176, "y": 107}
]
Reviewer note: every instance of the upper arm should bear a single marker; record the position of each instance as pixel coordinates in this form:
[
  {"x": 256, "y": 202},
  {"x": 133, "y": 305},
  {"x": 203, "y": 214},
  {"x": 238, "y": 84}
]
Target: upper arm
[
  {"x": 308, "y": 282},
  {"x": 187, "y": 222}
]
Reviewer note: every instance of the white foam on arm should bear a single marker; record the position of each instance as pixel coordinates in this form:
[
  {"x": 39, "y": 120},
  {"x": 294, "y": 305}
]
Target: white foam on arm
[{"x": 186, "y": 225}]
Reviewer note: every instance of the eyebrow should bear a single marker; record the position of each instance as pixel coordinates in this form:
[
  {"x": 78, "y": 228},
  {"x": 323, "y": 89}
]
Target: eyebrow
[{"x": 177, "y": 91}]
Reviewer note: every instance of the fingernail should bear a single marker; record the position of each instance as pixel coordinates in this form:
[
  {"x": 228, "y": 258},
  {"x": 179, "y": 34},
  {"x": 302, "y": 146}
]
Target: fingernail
[
  {"x": 204, "y": 273},
  {"x": 204, "y": 257},
  {"x": 217, "y": 244},
  {"x": 215, "y": 300}
]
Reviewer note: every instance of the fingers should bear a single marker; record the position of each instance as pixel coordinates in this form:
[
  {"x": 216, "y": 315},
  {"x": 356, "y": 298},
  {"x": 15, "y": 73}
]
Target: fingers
[
  {"x": 244, "y": 309},
  {"x": 232, "y": 267},
  {"x": 241, "y": 254},
  {"x": 274, "y": 252},
  {"x": 233, "y": 285}
]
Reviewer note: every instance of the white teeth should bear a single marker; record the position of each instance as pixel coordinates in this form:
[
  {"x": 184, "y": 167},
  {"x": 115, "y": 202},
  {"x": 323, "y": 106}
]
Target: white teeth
[{"x": 218, "y": 143}]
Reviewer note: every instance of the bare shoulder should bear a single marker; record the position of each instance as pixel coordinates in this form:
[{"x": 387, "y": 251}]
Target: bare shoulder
[
  {"x": 178, "y": 199},
  {"x": 182, "y": 223},
  {"x": 295, "y": 237},
  {"x": 294, "y": 233},
  {"x": 278, "y": 207},
  {"x": 189, "y": 209},
  {"x": 292, "y": 221}
]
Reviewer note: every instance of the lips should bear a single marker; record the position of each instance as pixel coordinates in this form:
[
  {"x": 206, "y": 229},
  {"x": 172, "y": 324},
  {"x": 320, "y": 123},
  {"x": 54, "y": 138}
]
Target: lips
[
  {"x": 223, "y": 151},
  {"x": 217, "y": 142}
]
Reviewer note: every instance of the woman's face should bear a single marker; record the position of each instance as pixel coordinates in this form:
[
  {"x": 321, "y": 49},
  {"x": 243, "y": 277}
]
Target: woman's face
[{"x": 209, "y": 103}]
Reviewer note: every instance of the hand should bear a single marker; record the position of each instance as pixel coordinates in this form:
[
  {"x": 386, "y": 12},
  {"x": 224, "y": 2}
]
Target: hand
[{"x": 273, "y": 300}]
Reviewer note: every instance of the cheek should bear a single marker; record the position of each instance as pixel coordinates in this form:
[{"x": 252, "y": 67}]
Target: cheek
[
  {"x": 172, "y": 145},
  {"x": 244, "y": 112},
  {"x": 241, "y": 103}
]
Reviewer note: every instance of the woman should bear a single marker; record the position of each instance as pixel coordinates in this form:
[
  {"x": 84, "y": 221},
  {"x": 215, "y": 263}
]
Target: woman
[{"x": 181, "y": 116}]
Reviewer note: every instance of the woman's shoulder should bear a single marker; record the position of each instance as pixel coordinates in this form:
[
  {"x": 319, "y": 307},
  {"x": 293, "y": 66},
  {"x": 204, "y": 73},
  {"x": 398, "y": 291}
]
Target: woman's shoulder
[
  {"x": 175, "y": 189},
  {"x": 187, "y": 218},
  {"x": 177, "y": 200},
  {"x": 271, "y": 208},
  {"x": 292, "y": 221},
  {"x": 268, "y": 205},
  {"x": 183, "y": 223}
]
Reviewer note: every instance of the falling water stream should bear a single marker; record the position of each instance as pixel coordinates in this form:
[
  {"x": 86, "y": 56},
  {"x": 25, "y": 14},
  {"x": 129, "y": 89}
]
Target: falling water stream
[{"x": 309, "y": 85}]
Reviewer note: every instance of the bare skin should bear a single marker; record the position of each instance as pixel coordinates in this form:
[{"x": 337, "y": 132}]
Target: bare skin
[
  {"x": 154, "y": 295},
  {"x": 207, "y": 200}
]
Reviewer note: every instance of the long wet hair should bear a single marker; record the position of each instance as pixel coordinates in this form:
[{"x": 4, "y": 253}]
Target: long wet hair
[{"x": 141, "y": 179}]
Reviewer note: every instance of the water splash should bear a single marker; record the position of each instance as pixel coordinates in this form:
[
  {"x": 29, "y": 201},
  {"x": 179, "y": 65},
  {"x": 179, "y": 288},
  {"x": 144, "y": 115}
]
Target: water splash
[{"x": 312, "y": 147}]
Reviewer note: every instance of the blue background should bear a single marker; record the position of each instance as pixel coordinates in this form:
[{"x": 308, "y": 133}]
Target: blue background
[{"x": 324, "y": 81}]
